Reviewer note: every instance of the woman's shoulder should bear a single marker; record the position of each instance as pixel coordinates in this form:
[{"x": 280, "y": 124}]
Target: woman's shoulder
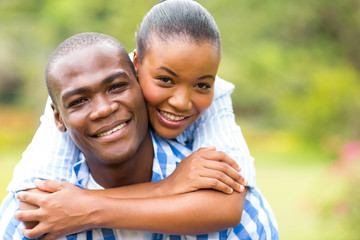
[{"x": 222, "y": 87}]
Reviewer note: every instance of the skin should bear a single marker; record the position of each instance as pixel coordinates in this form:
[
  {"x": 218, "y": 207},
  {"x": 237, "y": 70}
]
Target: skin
[
  {"x": 162, "y": 210},
  {"x": 178, "y": 85},
  {"x": 95, "y": 94}
]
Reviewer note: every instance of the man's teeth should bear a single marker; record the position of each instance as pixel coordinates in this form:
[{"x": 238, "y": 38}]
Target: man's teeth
[
  {"x": 112, "y": 130},
  {"x": 171, "y": 117}
]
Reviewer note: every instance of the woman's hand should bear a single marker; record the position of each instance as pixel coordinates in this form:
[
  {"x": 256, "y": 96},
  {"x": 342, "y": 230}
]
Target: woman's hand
[
  {"x": 205, "y": 169},
  {"x": 63, "y": 209}
]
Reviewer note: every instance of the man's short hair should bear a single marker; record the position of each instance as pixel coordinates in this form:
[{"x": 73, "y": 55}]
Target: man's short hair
[{"x": 79, "y": 42}]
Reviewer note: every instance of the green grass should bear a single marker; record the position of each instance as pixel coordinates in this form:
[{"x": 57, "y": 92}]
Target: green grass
[
  {"x": 298, "y": 182},
  {"x": 295, "y": 192}
]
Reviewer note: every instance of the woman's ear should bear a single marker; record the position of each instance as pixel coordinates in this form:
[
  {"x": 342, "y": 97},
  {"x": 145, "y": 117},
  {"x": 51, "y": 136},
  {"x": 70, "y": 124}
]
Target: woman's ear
[
  {"x": 58, "y": 119},
  {"x": 136, "y": 62}
]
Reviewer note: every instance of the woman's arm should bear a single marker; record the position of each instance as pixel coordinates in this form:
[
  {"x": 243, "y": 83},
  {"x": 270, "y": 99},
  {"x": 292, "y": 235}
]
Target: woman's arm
[
  {"x": 197, "y": 212},
  {"x": 203, "y": 169}
]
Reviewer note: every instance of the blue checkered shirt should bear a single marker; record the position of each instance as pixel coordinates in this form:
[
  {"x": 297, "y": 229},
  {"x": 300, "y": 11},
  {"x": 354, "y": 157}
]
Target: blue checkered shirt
[{"x": 258, "y": 221}]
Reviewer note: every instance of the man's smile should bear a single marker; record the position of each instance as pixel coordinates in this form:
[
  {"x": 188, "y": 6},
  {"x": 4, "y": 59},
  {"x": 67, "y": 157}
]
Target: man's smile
[
  {"x": 108, "y": 130},
  {"x": 112, "y": 130}
]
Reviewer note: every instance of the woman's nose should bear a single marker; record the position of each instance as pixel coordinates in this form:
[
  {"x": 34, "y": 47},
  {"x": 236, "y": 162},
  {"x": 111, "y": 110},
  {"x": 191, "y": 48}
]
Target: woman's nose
[{"x": 181, "y": 100}]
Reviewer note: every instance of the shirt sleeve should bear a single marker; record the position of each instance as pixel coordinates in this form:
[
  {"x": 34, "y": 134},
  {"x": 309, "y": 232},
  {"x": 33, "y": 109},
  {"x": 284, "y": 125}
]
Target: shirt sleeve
[
  {"x": 217, "y": 127},
  {"x": 50, "y": 155},
  {"x": 10, "y": 228}
]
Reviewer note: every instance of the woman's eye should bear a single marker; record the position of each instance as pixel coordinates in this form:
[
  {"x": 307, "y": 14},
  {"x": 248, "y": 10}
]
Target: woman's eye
[
  {"x": 203, "y": 85},
  {"x": 165, "y": 80}
]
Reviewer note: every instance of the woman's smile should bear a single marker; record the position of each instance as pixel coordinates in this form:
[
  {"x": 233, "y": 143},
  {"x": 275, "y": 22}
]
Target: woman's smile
[{"x": 172, "y": 120}]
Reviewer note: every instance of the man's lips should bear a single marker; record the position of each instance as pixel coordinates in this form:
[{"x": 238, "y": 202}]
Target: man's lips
[
  {"x": 173, "y": 117},
  {"x": 103, "y": 133}
]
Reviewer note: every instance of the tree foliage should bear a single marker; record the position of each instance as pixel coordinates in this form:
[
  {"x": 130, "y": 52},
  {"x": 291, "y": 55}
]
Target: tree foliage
[{"x": 295, "y": 64}]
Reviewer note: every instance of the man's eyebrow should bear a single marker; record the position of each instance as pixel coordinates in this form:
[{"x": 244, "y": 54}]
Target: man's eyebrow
[
  {"x": 73, "y": 92},
  {"x": 115, "y": 76},
  {"x": 84, "y": 89}
]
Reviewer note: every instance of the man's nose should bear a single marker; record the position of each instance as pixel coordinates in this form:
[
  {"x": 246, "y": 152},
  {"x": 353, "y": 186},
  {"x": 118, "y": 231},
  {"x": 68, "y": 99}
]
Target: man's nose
[
  {"x": 102, "y": 107},
  {"x": 181, "y": 99}
]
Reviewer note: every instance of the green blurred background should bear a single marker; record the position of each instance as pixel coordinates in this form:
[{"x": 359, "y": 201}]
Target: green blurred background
[{"x": 296, "y": 67}]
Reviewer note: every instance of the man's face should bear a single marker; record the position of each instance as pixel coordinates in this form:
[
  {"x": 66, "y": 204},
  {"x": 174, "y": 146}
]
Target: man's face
[{"x": 99, "y": 103}]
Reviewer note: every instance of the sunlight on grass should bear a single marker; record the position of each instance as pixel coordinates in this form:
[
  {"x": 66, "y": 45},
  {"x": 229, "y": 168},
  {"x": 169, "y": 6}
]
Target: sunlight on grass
[
  {"x": 294, "y": 192},
  {"x": 296, "y": 179}
]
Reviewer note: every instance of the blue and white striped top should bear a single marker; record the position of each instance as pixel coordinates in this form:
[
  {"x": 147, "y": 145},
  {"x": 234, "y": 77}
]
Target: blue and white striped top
[
  {"x": 258, "y": 221},
  {"x": 51, "y": 154}
]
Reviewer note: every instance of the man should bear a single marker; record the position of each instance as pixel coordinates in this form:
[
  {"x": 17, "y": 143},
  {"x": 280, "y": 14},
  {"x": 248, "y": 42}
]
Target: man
[{"x": 98, "y": 101}]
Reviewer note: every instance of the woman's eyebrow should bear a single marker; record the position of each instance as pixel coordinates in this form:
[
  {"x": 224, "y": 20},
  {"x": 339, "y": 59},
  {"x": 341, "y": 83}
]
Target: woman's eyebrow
[
  {"x": 175, "y": 75},
  {"x": 167, "y": 70},
  {"x": 206, "y": 76}
]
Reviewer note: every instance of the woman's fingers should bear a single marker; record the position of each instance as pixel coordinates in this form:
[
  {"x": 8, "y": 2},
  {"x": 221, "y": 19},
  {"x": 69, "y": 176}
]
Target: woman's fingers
[
  {"x": 222, "y": 162},
  {"x": 32, "y": 198},
  {"x": 211, "y": 148},
  {"x": 36, "y": 233},
  {"x": 49, "y": 186},
  {"x": 219, "y": 156},
  {"x": 213, "y": 183},
  {"x": 221, "y": 178},
  {"x": 27, "y": 215}
]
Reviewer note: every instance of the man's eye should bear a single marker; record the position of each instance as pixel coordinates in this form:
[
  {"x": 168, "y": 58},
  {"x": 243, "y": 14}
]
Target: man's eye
[
  {"x": 203, "y": 85},
  {"x": 77, "y": 102},
  {"x": 116, "y": 87}
]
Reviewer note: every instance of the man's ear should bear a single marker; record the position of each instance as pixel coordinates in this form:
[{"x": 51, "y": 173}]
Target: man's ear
[
  {"x": 136, "y": 62},
  {"x": 58, "y": 119}
]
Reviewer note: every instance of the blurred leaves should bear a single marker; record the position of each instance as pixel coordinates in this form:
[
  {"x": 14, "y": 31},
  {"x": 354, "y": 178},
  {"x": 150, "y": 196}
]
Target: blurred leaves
[{"x": 295, "y": 64}]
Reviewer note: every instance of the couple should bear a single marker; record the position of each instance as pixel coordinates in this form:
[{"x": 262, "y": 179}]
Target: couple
[{"x": 154, "y": 182}]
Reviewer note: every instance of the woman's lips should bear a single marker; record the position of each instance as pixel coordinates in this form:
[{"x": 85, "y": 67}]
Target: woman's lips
[{"x": 172, "y": 120}]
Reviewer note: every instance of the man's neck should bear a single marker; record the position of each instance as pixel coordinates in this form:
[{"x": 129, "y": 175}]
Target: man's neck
[{"x": 137, "y": 169}]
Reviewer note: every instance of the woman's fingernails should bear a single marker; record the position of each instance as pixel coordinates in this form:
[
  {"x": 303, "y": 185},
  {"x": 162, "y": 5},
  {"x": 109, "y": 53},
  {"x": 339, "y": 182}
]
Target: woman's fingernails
[
  {"x": 37, "y": 181},
  {"x": 19, "y": 195}
]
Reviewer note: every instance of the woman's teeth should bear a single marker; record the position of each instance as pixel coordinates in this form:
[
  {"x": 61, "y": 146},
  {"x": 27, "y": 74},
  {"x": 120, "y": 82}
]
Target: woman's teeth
[
  {"x": 112, "y": 130},
  {"x": 171, "y": 117}
]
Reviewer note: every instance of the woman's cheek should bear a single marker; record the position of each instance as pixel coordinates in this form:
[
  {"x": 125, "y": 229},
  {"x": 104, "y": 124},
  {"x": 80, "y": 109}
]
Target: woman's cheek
[
  {"x": 154, "y": 96},
  {"x": 203, "y": 102}
]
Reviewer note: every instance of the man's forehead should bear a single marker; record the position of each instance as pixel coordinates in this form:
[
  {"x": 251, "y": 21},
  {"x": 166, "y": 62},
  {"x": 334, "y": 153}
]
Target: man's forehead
[{"x": 85, "y": 59}]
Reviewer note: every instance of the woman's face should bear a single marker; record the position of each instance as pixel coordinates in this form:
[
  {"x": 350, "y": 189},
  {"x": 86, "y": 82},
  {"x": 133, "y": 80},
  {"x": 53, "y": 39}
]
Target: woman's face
[{"x": 177, "y": 80}]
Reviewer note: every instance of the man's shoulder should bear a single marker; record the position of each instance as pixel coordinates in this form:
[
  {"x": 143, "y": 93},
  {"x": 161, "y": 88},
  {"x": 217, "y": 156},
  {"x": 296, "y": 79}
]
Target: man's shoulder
[
  {"x": 9, "y": 226},
  {"x": 168, "y": 153},
  {"x": 258, "y": 219}
]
